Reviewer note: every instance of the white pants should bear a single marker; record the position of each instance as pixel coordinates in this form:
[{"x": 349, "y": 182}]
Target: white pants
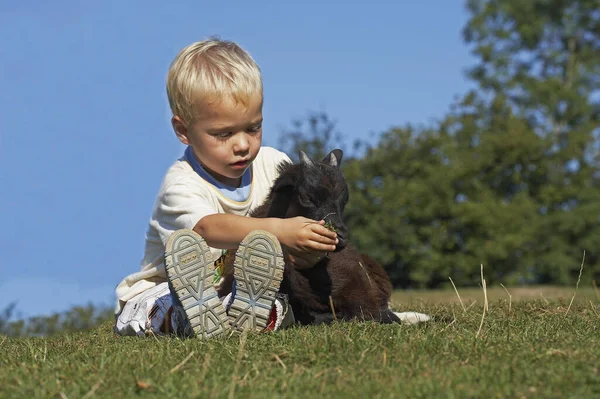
[{"x": 152, "y": 311}]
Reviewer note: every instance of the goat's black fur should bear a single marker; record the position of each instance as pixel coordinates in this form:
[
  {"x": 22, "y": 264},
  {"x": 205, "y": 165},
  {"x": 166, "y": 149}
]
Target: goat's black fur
[{"x": 356, "y": 284}]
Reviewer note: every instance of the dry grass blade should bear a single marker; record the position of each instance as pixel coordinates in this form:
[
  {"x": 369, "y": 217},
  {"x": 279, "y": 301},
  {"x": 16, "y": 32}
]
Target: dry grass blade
[
  {"x": 276, "y": 357},
  {"x": 205, "y": 364},
  {"x": 365, "y": 270},
  {"x": 332, "y": 308},
  {"x": 180, "y": 365},
  {"x": 484, "y": 285},
  {"x": 596, "y": 290},
  {"x": 63, "y": 395},
  {"x": 237, "y": 364},
  {"x": 459, "y": 299},
  {"x": 325, "y": 217},
  {"x": 93, "y": 390},
  {"x": 576, "y": 285},
  {"x": 151, "y": 332},
  {"x": 449, "y": 325},
  {"x": 509, "y": 297},
  {"x": 471, "y": 305},
  {"x": 594, "y": 309},
  {"x": 485, "y": 302}
]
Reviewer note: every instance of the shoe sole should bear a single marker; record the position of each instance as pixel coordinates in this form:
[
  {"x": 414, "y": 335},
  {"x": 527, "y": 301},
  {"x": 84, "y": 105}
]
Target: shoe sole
[
  {"x": 190, "y": 270},
  {"x": 258, "y": 274}
]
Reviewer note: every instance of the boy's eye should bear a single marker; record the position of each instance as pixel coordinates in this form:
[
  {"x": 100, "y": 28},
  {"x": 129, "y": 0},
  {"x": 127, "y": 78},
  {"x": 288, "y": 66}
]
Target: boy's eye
[
  {"x": 255, "y": 129},
  {"x": 224, "y": 135}
]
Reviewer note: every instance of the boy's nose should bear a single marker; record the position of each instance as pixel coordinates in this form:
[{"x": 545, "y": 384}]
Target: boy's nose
[{"x": 241, "y": 144}]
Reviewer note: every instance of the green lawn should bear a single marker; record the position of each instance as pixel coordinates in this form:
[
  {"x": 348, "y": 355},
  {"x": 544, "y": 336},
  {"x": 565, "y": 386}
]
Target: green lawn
[{"x": 535, "y": 349}]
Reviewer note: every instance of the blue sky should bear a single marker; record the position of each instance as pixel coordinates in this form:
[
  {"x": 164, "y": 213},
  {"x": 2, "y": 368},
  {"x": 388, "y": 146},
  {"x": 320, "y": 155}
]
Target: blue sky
[{"x": 85, "y": 136}]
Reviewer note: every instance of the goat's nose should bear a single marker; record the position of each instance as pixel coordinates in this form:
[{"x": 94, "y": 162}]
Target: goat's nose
[
  {"x": 342, "y": 235},
  {"x": 342, "y": 231}
]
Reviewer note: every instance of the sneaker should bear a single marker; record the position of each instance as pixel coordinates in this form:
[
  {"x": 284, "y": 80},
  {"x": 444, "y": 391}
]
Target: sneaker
[
  {"x": 258, "y": 274},
  {"x": 190, "y": 272},
  {"x": 282, "y": 315}
]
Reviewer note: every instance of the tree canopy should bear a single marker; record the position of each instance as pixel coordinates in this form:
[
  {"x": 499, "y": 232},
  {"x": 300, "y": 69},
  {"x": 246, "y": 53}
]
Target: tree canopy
[{"x": 509, "y": 177}]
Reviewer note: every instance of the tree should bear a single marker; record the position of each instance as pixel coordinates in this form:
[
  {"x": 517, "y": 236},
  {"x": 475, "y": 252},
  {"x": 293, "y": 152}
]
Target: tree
[
  {"x": 316, "y": 135},
  {"x": 543, "y": 58},
  {"x": 78, "y": 318},
  {"x": 436, "y": 203},
  {"x": 510, "y": 177},
  {"x": 400, "y": 209},
  {"x": 499, "y": 164}
]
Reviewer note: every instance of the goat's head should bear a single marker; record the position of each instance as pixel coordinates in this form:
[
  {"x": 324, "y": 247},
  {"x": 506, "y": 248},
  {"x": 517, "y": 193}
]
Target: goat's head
[{"x": 316, "y": 190}]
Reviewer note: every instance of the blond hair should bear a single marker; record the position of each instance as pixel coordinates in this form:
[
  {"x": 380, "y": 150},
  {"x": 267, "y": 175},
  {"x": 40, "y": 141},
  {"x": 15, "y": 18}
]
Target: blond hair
[{"x": 211, "y": 70}]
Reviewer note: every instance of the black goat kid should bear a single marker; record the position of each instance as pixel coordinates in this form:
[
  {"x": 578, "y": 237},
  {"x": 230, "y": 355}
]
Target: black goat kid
[{"x": 352, "y": 282}]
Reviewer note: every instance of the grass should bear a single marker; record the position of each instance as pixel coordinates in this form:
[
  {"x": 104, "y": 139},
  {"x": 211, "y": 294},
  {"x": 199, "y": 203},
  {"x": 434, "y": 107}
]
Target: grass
[
  {"x": 469, "y": 295},
  {"x": 532, "y": 349}
]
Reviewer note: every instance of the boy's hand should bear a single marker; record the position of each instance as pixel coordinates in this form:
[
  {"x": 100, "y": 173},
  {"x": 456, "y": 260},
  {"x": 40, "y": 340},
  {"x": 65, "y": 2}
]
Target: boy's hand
[
  {"x": 307, "y": 241},
  {"x": 300, "y": 235}
]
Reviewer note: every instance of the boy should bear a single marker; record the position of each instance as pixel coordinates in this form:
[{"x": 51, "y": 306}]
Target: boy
[{"x": 215, "y": 93}]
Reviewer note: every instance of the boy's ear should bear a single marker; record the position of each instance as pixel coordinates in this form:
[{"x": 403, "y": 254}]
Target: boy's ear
[{"x": 181, "y": 130}]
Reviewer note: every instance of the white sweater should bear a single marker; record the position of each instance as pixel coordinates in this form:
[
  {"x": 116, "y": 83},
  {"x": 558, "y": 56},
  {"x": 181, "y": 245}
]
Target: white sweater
[{"x": 183, "y": 199}]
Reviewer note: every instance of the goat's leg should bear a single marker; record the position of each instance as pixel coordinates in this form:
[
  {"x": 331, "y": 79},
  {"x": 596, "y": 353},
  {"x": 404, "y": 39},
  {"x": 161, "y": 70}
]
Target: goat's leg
[
  {"x": 321, "y": 318},
  {"x": 327, "y": 318},
  {"x": 388, "y": 317}
]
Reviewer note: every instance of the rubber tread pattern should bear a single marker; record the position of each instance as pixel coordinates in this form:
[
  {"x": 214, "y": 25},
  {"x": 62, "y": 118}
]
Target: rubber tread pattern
[
  {"x": 258, "y": 273},
  {"x": 190, "y": 271}
]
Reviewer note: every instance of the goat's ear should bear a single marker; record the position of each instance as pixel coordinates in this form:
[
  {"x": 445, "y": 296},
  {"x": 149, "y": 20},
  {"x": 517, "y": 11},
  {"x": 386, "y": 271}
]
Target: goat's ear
[
  {"x": 283, "y": 182},
  {"x": 334, "y": 158},
  {"x": 280, "y": 196},
  {"x": 304, "y": 159}
]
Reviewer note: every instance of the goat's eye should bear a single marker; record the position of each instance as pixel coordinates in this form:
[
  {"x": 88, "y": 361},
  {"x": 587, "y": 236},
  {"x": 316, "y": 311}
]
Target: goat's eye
[{"x": 306, "y": 200}]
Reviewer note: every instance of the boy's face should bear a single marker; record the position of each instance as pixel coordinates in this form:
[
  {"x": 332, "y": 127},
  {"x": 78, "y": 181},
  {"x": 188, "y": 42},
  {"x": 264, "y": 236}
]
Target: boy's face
[{"x": 225, "y": 137}]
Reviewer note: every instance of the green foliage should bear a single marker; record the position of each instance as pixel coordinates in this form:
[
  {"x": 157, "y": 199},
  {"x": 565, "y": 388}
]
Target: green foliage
[
  {"x": 316, "y": 135},
  {"x": 78, "y": 318},
  {"x": 532, "y": 349},
  {"x": 399, "y": 210},
  {"x": 542, "y": 58},
  {"x": 329, "y": 225},
  {"x": 510, "y": 177}
]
